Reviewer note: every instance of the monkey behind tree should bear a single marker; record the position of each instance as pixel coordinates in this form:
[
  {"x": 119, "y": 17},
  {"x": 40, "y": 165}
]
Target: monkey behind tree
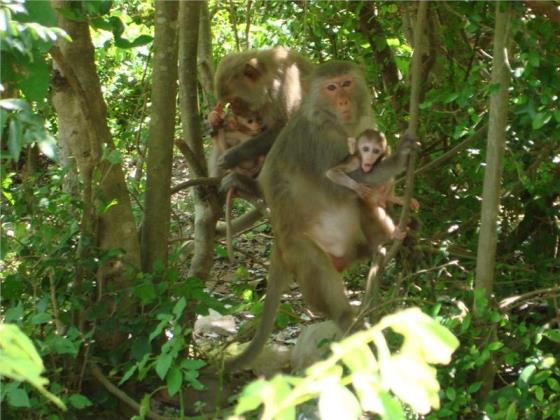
[
  {"x": 230, "y": 130},
  {"x": 270, "y": 82},
  {"x": 319, "y": 226}
]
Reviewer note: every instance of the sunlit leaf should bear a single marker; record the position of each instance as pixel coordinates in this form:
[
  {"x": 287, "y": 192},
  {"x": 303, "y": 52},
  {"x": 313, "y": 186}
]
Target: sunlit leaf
[
  {"x": 252, "y": 396},
  {"x": 413, "y": 381},
  {"x": 336, "y": 402}
]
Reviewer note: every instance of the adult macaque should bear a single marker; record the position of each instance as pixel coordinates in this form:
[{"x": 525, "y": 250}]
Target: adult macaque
[
  {"x": 230, "y": 130},
  {"x": 270, "y": 82},
  {"x": 368, "y": 149},
  {"x": 320, "y": 227}
]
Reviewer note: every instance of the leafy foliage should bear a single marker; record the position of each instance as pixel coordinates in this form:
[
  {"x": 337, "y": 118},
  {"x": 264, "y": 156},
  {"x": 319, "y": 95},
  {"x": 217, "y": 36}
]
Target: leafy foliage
[
  {"x": 49, "y": 267},
  {"x": 406, "y": 373}
]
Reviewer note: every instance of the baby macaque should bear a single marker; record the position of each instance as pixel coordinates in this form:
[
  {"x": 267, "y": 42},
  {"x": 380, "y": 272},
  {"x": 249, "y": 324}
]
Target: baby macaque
[
  {"x": 229, "y": 130},
  {"x": 369, "y": 148}
]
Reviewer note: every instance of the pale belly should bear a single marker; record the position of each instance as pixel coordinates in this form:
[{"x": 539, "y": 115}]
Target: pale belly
[{"x": 336, "y": 230}]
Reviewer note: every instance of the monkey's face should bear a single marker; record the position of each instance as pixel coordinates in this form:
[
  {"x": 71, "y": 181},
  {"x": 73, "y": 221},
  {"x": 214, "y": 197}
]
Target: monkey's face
[
  {"x": 370, "y": 152},
  {"x": 250, "y": 124},
  {"x": 338, "y": 92}
]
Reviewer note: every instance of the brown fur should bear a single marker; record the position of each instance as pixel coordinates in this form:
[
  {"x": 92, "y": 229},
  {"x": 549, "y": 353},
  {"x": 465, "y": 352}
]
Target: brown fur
[
  {"x": 270, "y": 82},
  {"x": 319, "y": 226}
]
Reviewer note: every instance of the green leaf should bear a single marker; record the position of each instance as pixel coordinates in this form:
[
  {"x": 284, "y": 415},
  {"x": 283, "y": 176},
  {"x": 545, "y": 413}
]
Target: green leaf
[
  {"x": 41, "y": 318},
  {"x": 163, "y": 362},
  {"x": 495, "y": 346},
  {"x": 451, "y": 394},
  {"x": 337, "y": 402},
  {"x": 192, "y": 364},
  {"x": 61, "y": 345},
  {"x": 511, "y": 413},
  {"x": 413, "y": 381},
  {"x": 128, "y": 374},
  {"x": 40, "y": 12},
  {"x": 367, "y": 388},
  {"x": 553, "y": 335},
  {"x": 539, "y": 393},
  {"x": 179, "y": 307},
  {"x": 392, "y": 409},
  {"x": 474, "y": 387},
  {"x": 553, "y": 384},
  {"x": 280, "y": 389},
  {"x": 527, "y": 373},
  {"x": 252, "y": 396},
  {"x": 18, "y": 398},
  {"x": 423, "y": 334},
  {"x": 359, "y": 358},
  {"x": 35, "y": 85},
  {"x": 138, "y": 42},
  {"x": 540, "y": 119},
  {"x": 79, "y": 401},
  {"x": 174, "y": 381}
]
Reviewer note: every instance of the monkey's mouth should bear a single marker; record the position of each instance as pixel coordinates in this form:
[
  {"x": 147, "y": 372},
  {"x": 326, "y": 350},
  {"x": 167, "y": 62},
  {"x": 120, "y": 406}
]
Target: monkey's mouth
[
  {"x": 367, "y": 167},
  {"x": 346, "y": 115}
]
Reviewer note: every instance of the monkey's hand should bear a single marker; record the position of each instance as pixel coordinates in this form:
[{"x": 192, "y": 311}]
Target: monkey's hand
[
  {"x": 251, "y": 149},
  {"x": 366, "y": 193},
  {"x": 215, "y": 119},
  {"x": 414, "y": 204},
  {"x": 244, "y": 186},
  {"x": 406, "y": 146}
]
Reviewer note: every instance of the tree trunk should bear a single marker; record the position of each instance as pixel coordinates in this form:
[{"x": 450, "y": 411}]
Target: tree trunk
[
  {"x": 157, "y": 208},
  {"x": 206, "y": 200},
  {"x": 82, "y": 116},
  {"x": 205, "y": 58},
  {"x": 486, "y": 257},
  {"x": 487, "y": 240}
]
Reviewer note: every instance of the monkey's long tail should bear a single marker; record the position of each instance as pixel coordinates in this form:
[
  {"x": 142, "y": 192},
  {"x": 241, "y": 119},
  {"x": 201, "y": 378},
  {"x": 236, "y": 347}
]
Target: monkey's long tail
[
  {"x": 278, "y": 277},
  {"x": 229, "y": 233}
]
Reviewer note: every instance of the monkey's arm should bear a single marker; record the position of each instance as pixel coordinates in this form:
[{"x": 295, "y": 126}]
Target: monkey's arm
[
  {"x": 414, "y": 204},
  {"x": 245, "y": 187},
  {"x": 252, "y": 148},
  {"x": 339, "y": 174},
  {"x": 388, "y": 167}
]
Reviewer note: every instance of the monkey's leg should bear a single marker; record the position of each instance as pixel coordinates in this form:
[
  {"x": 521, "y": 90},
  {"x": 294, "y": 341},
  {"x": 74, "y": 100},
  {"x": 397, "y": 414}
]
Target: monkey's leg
[
  {"x": 245, "y": 186},
  {"x": 278, "y": 280},
  {"x": 321, "y": 285}
]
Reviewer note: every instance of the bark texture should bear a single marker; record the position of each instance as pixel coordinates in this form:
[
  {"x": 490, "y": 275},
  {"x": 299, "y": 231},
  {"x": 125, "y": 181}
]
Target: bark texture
[
  {"x": 207, "y": 206},
  {"x": 157, "y": 208},
  {"x": 486, "y": 255}
]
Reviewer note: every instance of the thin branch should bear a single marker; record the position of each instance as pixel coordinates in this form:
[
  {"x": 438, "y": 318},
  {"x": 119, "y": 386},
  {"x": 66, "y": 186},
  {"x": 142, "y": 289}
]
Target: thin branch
[
  {"x": 121, "y": 395},
  {"x": 195, "y": 182},
  {"x": 447, "y": 156},
  {"x": 189, "y": 155},
  {"x": 513, "y": 301},
  {"x": 372, "y": 288}
]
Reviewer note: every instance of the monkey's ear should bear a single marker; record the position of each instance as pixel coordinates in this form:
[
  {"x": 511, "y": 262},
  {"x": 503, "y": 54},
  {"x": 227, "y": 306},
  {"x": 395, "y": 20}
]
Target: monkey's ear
[
  {"x": 252, "y": 71},
  {"x": 351, "y": 145}
]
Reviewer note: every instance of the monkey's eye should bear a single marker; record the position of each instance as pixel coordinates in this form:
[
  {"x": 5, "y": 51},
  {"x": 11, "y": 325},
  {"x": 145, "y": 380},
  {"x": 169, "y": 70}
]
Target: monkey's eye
[
  {"x": 331, "y": 86},
  {"x": 250, "y": 121},
  {"x": 346, "y": 83},
  {"x": 376, "y": 151},
  {"x": 365, "y": 149}
]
